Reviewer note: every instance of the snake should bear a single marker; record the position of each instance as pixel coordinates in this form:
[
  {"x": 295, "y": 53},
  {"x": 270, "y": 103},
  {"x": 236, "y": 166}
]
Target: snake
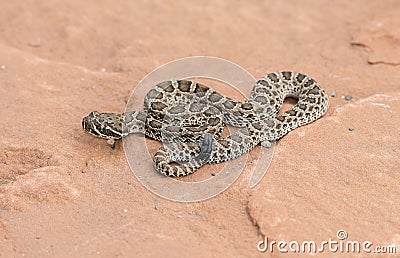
[{"x": 189, "y": 117}]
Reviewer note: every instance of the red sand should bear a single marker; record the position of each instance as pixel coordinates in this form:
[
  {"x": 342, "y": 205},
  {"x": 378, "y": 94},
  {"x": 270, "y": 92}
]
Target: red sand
[{"x": 64, "y": 193}]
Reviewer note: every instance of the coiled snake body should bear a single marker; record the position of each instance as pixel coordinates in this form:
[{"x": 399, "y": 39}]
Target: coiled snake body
[{"x": 189, "y": 118}]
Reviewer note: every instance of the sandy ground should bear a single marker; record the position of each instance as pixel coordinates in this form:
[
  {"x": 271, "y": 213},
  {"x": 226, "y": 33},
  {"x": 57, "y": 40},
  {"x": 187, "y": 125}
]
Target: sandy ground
[{"x": 64, "y": 193}]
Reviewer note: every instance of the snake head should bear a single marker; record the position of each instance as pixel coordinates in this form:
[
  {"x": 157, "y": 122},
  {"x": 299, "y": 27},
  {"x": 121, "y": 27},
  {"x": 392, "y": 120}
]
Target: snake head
[{"x": 104, "y": 125}]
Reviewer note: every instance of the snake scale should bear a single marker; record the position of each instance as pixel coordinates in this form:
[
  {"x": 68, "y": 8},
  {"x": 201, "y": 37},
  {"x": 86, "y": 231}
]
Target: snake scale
[{"x": 189, "y": 118}]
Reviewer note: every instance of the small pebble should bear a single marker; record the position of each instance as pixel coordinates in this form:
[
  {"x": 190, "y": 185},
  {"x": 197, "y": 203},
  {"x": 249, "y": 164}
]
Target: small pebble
[
  {"x": 348, "y": 97},
  {"x": 351, "y": 129},
  {"x": 2, "y": 67},
  {"x": 333, "y": 94},
  {"x": 125, "y": 210},
  {"x": 266, "y": 144},
  {"x": 103, "y": 70}
]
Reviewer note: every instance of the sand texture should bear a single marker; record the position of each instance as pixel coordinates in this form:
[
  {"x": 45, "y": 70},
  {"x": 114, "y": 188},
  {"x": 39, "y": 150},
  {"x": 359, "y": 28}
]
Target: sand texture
[{"x": 64, "y": 193}]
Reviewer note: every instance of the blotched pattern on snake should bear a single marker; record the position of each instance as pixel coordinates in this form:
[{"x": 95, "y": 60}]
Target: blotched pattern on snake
[{"x": 189, "y": 118}]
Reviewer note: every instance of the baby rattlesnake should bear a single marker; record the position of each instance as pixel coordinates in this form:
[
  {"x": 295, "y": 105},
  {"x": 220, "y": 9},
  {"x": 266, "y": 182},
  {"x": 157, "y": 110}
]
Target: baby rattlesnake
[{"x": 189, "y": 118}]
